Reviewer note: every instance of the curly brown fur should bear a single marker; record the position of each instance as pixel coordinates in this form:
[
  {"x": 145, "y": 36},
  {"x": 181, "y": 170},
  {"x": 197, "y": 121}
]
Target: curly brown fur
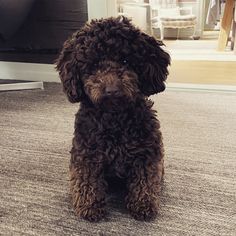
[{"x": 111, "y": 67}]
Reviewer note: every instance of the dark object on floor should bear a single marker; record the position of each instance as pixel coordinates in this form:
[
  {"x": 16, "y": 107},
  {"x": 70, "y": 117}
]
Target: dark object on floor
[{"x": 111, "y": 67}]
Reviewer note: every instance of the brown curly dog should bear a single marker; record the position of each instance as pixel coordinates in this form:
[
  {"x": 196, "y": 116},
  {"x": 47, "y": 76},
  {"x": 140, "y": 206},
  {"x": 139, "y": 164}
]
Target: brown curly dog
[{"x": 111, "y": 67}]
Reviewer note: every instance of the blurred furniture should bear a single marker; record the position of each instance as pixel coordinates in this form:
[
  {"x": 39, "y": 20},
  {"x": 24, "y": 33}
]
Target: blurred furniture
[
  {"x": 213, "y": 13},
  {"x": 170, "y": 15},
  {"x": 41, "y": 35},
  {"x": 226, "y": 24},
  {"x": 139, "y": 12},
  {"x": 12, "y": 15}
]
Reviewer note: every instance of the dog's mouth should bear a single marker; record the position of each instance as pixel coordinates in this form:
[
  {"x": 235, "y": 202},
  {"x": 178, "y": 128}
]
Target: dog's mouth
[{"x": 112, "y": 103}]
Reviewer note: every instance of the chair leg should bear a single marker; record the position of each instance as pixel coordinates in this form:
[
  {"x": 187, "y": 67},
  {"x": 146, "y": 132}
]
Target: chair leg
[
  {"x": 162, "y": 32},
  {"x": 178, "y": 33},
  {"x": 151, "y": 31},
  {"x": 194, "y": 32},
  {"x": 225, "y": 25}
]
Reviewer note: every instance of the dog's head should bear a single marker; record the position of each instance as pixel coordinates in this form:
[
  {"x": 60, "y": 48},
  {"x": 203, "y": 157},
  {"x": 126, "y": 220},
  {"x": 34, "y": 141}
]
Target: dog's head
[{"x": 110, "y": 59}]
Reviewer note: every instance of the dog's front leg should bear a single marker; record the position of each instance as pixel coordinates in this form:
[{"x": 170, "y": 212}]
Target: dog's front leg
[
  {"x": 87, "y": 188},
  {"x": 143, "y": 188}
]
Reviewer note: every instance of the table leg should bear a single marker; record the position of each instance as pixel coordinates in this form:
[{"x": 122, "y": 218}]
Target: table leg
[{"x": 225, "y": 25}]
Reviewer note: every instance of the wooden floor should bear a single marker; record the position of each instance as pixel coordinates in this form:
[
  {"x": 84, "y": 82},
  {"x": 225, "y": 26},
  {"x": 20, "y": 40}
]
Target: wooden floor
[
  {"x": 203, "y": 72},
  {"x": 199, "y": 62}
]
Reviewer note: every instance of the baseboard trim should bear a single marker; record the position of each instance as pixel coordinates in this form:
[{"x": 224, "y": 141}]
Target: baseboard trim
[
  {"x": 28, "y": 71},
  {"x": 200, "y": 87},
  {"x": 21, "y": 86},
  {"x": 193, "y": 55}
]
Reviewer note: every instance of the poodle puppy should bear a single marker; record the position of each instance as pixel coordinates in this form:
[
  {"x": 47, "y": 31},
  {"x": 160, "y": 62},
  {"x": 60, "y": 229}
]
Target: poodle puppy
[{"x": 111, "y": 67}]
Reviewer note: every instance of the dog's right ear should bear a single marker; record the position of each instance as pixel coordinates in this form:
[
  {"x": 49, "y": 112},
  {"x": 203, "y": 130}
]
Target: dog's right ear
[{"x": 67, "y": 67}]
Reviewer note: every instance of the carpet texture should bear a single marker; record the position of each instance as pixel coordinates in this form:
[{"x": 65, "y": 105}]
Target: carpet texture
[{"x": 199, "y": 192}]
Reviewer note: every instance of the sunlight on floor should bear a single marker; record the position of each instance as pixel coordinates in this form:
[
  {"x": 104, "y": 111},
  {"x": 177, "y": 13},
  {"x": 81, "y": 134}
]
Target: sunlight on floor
[
  {"x": 198, "y": 50},
  {"x": 203, "y": 49}
]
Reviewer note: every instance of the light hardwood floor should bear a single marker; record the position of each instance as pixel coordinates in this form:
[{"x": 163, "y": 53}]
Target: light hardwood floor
[
  {"x": 199, "y": 62},
  {"x": 203, "y": 72}
]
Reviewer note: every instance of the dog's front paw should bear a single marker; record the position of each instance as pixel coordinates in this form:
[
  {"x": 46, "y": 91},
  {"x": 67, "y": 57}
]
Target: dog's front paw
[
  {"x": 92, "y": 214},
  {"x": 142, "y": 210}
]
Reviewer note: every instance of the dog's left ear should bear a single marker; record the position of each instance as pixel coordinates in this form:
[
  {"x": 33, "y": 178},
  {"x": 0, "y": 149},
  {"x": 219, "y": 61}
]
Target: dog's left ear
[{"x": 155, "y": 65}]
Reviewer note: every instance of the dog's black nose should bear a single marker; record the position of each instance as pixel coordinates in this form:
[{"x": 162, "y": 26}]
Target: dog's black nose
[{"x": 111, "y": 90}]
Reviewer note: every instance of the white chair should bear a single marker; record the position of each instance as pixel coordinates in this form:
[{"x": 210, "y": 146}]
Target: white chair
[{"x": 170, "y": 15}]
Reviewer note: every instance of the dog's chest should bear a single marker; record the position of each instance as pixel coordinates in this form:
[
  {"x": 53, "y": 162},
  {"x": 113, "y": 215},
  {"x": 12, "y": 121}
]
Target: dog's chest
[
  {"x": 120, "y": 138},
  {"x": 118, "y": 130},
  {"x": 115, "y": 138}
]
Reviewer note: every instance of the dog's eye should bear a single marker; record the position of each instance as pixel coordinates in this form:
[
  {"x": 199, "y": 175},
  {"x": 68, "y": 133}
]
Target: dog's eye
[{"x": 125, "y": 61}]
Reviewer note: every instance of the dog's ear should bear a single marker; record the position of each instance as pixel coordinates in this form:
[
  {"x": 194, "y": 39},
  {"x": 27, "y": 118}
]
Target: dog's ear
[
  {"x": 69, "y": 72},
  {"x": 155, "y": 65}
]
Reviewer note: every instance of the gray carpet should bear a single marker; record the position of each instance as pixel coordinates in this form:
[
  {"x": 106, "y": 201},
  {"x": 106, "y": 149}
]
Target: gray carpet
[{"x": 198, "y": 196}]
